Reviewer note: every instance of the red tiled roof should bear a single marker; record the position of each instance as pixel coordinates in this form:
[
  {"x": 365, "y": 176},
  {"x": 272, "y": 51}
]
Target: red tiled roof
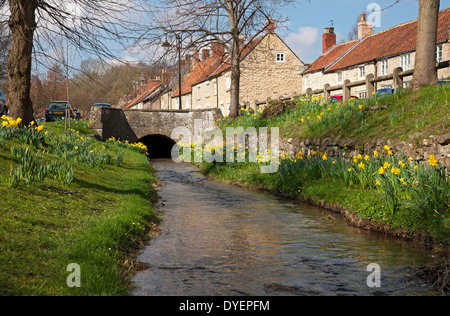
[
  {"x": 200, "y": 71},
  {"x": 247, "y": 49},
  {"x": 394, "y": 41},
  {"x": 332, "y": 55},
  {"x": 152, "y": 86},
  {"x": 213, "y": 66}
]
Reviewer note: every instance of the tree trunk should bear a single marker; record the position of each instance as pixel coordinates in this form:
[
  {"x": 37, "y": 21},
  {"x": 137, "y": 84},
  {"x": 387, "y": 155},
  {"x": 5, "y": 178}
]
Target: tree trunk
[
  {"x": 425, "y": 72},
  {"x": 235, "y": 80},
  {"x": 22, "y": 24}
]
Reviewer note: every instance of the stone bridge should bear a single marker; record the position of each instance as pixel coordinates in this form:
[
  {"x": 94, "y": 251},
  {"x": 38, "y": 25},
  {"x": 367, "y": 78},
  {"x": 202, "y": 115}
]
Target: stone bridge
[{"x": 152, "y": 127}]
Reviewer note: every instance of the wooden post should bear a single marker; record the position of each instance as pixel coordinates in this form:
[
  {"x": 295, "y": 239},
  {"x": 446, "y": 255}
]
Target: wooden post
[
  {"x": 346, "y": 91},
  {"x": 370, "y": 86},
  {"x": 398, "y": 81},
  {"x": 326, "y": 92}
]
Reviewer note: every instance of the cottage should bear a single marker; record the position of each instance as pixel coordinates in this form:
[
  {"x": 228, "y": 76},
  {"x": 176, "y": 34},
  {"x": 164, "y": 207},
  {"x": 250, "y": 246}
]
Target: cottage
[
  {"x": 269, "y": 69},
  {"x": 374, "y": 55}
]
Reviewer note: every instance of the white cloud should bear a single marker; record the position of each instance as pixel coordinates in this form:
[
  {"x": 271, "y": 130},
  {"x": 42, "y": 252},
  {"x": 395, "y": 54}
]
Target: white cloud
[{"x": 306, "y": 43}]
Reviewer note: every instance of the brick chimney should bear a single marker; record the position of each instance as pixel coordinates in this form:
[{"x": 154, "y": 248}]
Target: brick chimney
[
  {"x": 364, "y": 28},
  {"x": 217, "y": 50},
  {"x": 270, "y": 26},
  {"x": 328, "y": 39},
  {"x": 205, "y": 54}
]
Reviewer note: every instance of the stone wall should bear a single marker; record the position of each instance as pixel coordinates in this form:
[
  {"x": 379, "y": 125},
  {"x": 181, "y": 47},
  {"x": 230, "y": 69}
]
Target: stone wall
[{"x": 439, "y": 146}]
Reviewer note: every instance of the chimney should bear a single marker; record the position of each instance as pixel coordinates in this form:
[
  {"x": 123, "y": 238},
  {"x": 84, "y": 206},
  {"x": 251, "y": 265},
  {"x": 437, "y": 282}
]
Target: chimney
[
  {"x": 364, "y": 28},
  {"x": 205, "y": 54},
  {"x": 218, "y": 50},
  {"x": 270, "y": 26},
  {"x": 328, "y": 39},
  {"x": 188, "y": 58}
]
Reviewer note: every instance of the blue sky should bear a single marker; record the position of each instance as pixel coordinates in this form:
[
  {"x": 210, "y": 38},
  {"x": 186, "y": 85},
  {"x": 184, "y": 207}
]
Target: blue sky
[{"x": 307, "y": 20}]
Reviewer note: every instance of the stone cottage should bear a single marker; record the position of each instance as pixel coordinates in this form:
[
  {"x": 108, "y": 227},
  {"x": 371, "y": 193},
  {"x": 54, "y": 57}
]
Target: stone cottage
[{"x": 376, "y": 54}]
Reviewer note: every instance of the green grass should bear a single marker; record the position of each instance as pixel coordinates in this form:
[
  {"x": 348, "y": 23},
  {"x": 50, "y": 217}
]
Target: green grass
[{"x": 94, "y": 222}]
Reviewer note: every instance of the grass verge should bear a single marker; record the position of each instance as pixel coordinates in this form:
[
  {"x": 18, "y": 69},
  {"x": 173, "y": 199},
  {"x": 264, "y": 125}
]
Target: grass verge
[{"x": 96, "y": 221}]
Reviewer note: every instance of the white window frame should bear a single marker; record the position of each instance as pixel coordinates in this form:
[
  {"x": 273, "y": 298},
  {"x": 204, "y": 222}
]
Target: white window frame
[
  {"x": 307, "y": 82},
  {"x": 208, "y": 89},
  {"x": 199, "y": 92},
  {"x": 280, "y": 57},
  {"x": 384, "y": 67},
  {"x": 228, "y": 82},
  {"x": 405, "y": 62},
  {"x": 362, "y": 71},
  {"x": 215, "y": 87},
  {"x": 188, "y": 101},
  {"x": 439, "y": 53}
]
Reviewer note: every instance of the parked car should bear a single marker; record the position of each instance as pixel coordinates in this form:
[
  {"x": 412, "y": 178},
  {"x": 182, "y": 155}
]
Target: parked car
[
  {"x": 335, "y": 98},
  {"x": 3, "y": 108},
  {"x": 106, "y": 105},
  {"x": 57, "y": 110},
  {"x": 385, "y": 91}
]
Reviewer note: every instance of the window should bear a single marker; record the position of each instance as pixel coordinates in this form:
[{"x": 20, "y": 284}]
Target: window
[
  {"x": 439, "y": 53},
  {"x": 208, "y": 90},
  {"x": 307, "y": 82},
  {"x": 281, "y": 57},
  {"x": 188, "y": 101},
  {"x": 362, "y": 72},
  {"x": 339, "y": 77},
  {"x": 215, "y": 87},
  {"x": 384, "y": 67},
  {"x": 228, "y": 82},
  {"x": 405, "y": 62},
  {"x": 199, "y": 92},
  {"x": 362, "y": 94}
]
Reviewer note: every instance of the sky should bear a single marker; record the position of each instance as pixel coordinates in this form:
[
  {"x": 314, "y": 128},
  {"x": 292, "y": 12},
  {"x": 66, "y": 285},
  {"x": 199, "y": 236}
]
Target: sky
[{"x": 307, "y": 20}]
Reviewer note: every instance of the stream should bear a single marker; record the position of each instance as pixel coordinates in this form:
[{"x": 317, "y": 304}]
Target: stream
[{"x": 222, "y": 240}]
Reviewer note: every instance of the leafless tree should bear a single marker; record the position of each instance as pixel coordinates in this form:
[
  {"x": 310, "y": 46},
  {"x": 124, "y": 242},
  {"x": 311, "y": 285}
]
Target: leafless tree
[
  {"x": 425, "y": 72},
  {"x": 37, "y": 27},
  {"x": 198, "y": 22}
]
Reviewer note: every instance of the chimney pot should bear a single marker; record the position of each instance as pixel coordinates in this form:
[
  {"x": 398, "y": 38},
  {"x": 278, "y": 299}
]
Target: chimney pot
[{"x": 364, "y": 27}]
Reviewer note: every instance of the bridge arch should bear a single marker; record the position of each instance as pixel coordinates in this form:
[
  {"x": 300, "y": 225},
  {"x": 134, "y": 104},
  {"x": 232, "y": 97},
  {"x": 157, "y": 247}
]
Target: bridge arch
[
  {"x": 158, "y": 145},
  {"x": 154, "y": 128}
]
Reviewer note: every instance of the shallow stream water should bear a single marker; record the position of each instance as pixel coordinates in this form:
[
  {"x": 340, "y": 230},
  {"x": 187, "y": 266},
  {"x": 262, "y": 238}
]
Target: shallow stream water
[{"x": 222, "y": 240}]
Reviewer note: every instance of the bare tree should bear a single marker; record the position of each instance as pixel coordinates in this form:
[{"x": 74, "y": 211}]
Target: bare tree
[
  {"x": 37, "y": 27},
  {"x": 425, "y": 72},
  {"x": 226, "y": 22}
]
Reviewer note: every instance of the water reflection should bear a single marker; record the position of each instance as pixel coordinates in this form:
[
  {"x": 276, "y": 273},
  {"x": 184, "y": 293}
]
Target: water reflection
[{"x": 222, "y": 240}]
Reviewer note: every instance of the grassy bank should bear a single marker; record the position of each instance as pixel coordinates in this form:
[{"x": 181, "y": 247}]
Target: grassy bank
[
  {"x": 396, "y": 117},
  {"x": 70, "y": 199}
]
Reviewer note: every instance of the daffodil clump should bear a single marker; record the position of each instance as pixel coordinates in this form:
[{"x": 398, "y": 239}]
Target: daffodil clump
[
  {"x": 404, "y": 184},
  {"x": 219, "y": 153},
  {"x": 248, "y": 117},
  {"x": 138, "y": 146},
  {"x": 12, "y": 129}
]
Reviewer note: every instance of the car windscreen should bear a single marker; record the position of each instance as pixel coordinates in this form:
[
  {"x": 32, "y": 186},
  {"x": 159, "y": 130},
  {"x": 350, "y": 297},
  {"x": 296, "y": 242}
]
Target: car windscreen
[{"x": 52, "y": 106}]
